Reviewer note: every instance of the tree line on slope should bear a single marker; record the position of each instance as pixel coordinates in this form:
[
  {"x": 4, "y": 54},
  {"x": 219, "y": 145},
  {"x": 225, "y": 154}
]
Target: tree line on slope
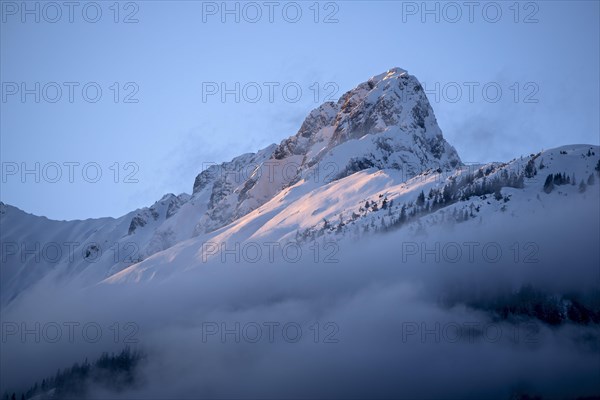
[
  {"x": 478, "y": 184},
  {"x": 114, "y": 372}
]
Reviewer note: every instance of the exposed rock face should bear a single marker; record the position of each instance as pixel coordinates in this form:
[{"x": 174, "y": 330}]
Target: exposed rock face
[
  {"x": 386, "y": 122},
  {"x": 165, "y": 208}
]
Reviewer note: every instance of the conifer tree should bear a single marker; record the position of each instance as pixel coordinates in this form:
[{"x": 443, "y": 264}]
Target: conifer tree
[
  {"x": 530, "y": 170},
  {"x": 403, "y": 214},
  {"x": 591, "y": 180},
  {"x": 497, "y": 194},
  {"x": 421, "y": 199},
  {"x": 548, "y": 185}
]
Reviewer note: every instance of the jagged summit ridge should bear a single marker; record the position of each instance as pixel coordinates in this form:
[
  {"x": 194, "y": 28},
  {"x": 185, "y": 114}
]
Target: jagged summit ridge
[
  {"x": 389, "y": 100},
  {"x": 385, "y": 122}
]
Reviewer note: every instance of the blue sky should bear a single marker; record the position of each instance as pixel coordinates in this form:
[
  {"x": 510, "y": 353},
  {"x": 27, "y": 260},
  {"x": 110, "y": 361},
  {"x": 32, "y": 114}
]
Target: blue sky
[{"x": 542, "y": 56}]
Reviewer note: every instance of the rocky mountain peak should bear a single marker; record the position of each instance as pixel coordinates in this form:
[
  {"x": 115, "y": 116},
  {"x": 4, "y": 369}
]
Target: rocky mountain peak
[
  {"x": 394, "y": 100},
  {"x": 385, "y": 122}
]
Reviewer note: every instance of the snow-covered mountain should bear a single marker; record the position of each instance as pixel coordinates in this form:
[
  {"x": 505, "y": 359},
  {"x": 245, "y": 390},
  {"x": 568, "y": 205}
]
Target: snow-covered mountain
[
  {"x": 374, "y": 161},
  {"x": 384, "y": 123}
]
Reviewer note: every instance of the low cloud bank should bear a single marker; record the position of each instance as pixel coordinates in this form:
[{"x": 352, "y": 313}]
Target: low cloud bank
[{"x": 375, "y": 324}]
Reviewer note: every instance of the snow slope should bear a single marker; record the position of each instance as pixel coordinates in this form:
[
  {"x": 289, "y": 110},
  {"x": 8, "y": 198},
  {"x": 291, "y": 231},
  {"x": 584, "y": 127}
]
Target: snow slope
[{"x": 336, "y": 211}]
